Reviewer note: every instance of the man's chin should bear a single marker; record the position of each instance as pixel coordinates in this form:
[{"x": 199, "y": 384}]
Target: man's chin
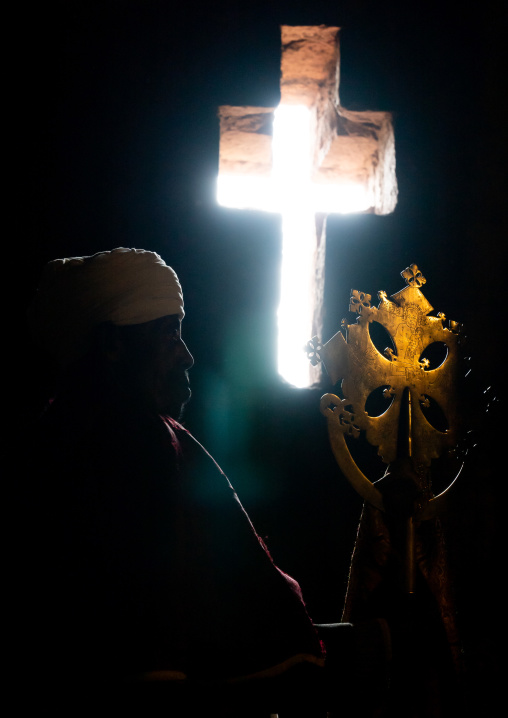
[
  {"x": 175, "y": 409},
  {"x": 183, "y": 405}
]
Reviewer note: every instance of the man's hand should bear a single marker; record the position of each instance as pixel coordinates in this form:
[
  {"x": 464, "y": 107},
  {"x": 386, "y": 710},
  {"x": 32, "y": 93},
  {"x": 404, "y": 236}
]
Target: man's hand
[{"x": 399, "y": 487}]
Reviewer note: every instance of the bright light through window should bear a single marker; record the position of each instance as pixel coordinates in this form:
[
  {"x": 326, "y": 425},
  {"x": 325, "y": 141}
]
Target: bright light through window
[
  {"x": 290, "y": 191},
  {"x": 291, "y": 173},
  {"x": 246, "y": 192}
]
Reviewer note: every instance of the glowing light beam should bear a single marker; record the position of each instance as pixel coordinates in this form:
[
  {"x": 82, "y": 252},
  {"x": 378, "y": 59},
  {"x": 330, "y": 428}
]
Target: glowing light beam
[
  {"x": 290, "y": 190},
  {"x": 308, "y": 158}
]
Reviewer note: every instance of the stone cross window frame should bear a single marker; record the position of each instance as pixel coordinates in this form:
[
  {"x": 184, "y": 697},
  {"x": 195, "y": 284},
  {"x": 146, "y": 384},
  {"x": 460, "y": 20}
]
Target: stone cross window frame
[{"x": 306, "y": 159}]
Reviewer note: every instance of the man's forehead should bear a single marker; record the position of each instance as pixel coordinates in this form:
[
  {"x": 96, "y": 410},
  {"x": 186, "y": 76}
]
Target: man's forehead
[
  {"x": 170, "y": 322},
  {"x": 155, "y": 330},
  {"x": 156, "y": 327},
  {"x": 173, "y": 320}
]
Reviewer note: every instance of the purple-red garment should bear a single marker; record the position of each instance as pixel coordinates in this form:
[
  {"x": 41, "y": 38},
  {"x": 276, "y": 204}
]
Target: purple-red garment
[{"x": 144, "y": 557}]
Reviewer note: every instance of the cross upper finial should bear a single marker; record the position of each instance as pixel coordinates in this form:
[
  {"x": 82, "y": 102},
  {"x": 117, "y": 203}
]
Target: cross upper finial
[
  {"x": 349, "y": 149},
  {"x": 413, "y": 276}
]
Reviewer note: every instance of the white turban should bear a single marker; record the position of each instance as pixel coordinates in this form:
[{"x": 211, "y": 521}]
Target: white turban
[{"x": 124, "y": 286}]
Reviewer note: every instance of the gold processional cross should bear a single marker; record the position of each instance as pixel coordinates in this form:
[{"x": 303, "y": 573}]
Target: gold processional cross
[
  {"x": 305, "y": 159},
  {"x": 421, "y": 420}
]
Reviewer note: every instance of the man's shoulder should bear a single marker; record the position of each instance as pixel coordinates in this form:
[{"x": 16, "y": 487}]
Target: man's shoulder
[
  {"x": 189, "y": 446},
  {"x": 90, "y": 432}
]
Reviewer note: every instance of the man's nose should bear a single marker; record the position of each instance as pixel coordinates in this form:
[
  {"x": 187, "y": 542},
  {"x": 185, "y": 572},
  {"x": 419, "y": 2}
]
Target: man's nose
[{"x": 186, "y": 357}]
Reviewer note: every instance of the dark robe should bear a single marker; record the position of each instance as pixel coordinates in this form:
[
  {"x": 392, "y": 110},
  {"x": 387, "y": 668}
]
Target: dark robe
[{"x": 142, "y": 560}]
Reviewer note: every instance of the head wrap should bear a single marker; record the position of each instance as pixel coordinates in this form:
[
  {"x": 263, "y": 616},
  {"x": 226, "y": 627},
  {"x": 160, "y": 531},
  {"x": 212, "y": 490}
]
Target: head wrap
[{"x": 123, "y": 286}]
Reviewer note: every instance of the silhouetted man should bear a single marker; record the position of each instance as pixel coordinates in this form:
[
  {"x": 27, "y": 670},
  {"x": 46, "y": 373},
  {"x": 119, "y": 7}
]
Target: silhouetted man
[{"x": 146, "y": 565}]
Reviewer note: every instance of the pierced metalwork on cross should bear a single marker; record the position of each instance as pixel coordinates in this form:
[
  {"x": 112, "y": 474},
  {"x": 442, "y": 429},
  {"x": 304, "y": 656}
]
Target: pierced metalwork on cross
[
  {"x": 420, "y": 417},
  {"x": 363, "y": 369},
  {"x": 420, "y": 396},
  {"x": 305, "y": 159}
]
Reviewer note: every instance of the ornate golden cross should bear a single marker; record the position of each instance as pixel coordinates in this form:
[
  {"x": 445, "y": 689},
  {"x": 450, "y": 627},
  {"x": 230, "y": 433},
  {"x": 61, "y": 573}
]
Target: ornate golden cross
[{"x": 409, "y": 382}]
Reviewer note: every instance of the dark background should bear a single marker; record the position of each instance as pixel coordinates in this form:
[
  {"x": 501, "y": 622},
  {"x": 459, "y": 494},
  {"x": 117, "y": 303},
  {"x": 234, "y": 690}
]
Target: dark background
[{"x": 117, "y": 144}]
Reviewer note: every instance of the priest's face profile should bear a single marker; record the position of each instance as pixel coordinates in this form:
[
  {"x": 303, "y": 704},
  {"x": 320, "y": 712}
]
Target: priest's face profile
[{"x": 158, "y": 360}]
